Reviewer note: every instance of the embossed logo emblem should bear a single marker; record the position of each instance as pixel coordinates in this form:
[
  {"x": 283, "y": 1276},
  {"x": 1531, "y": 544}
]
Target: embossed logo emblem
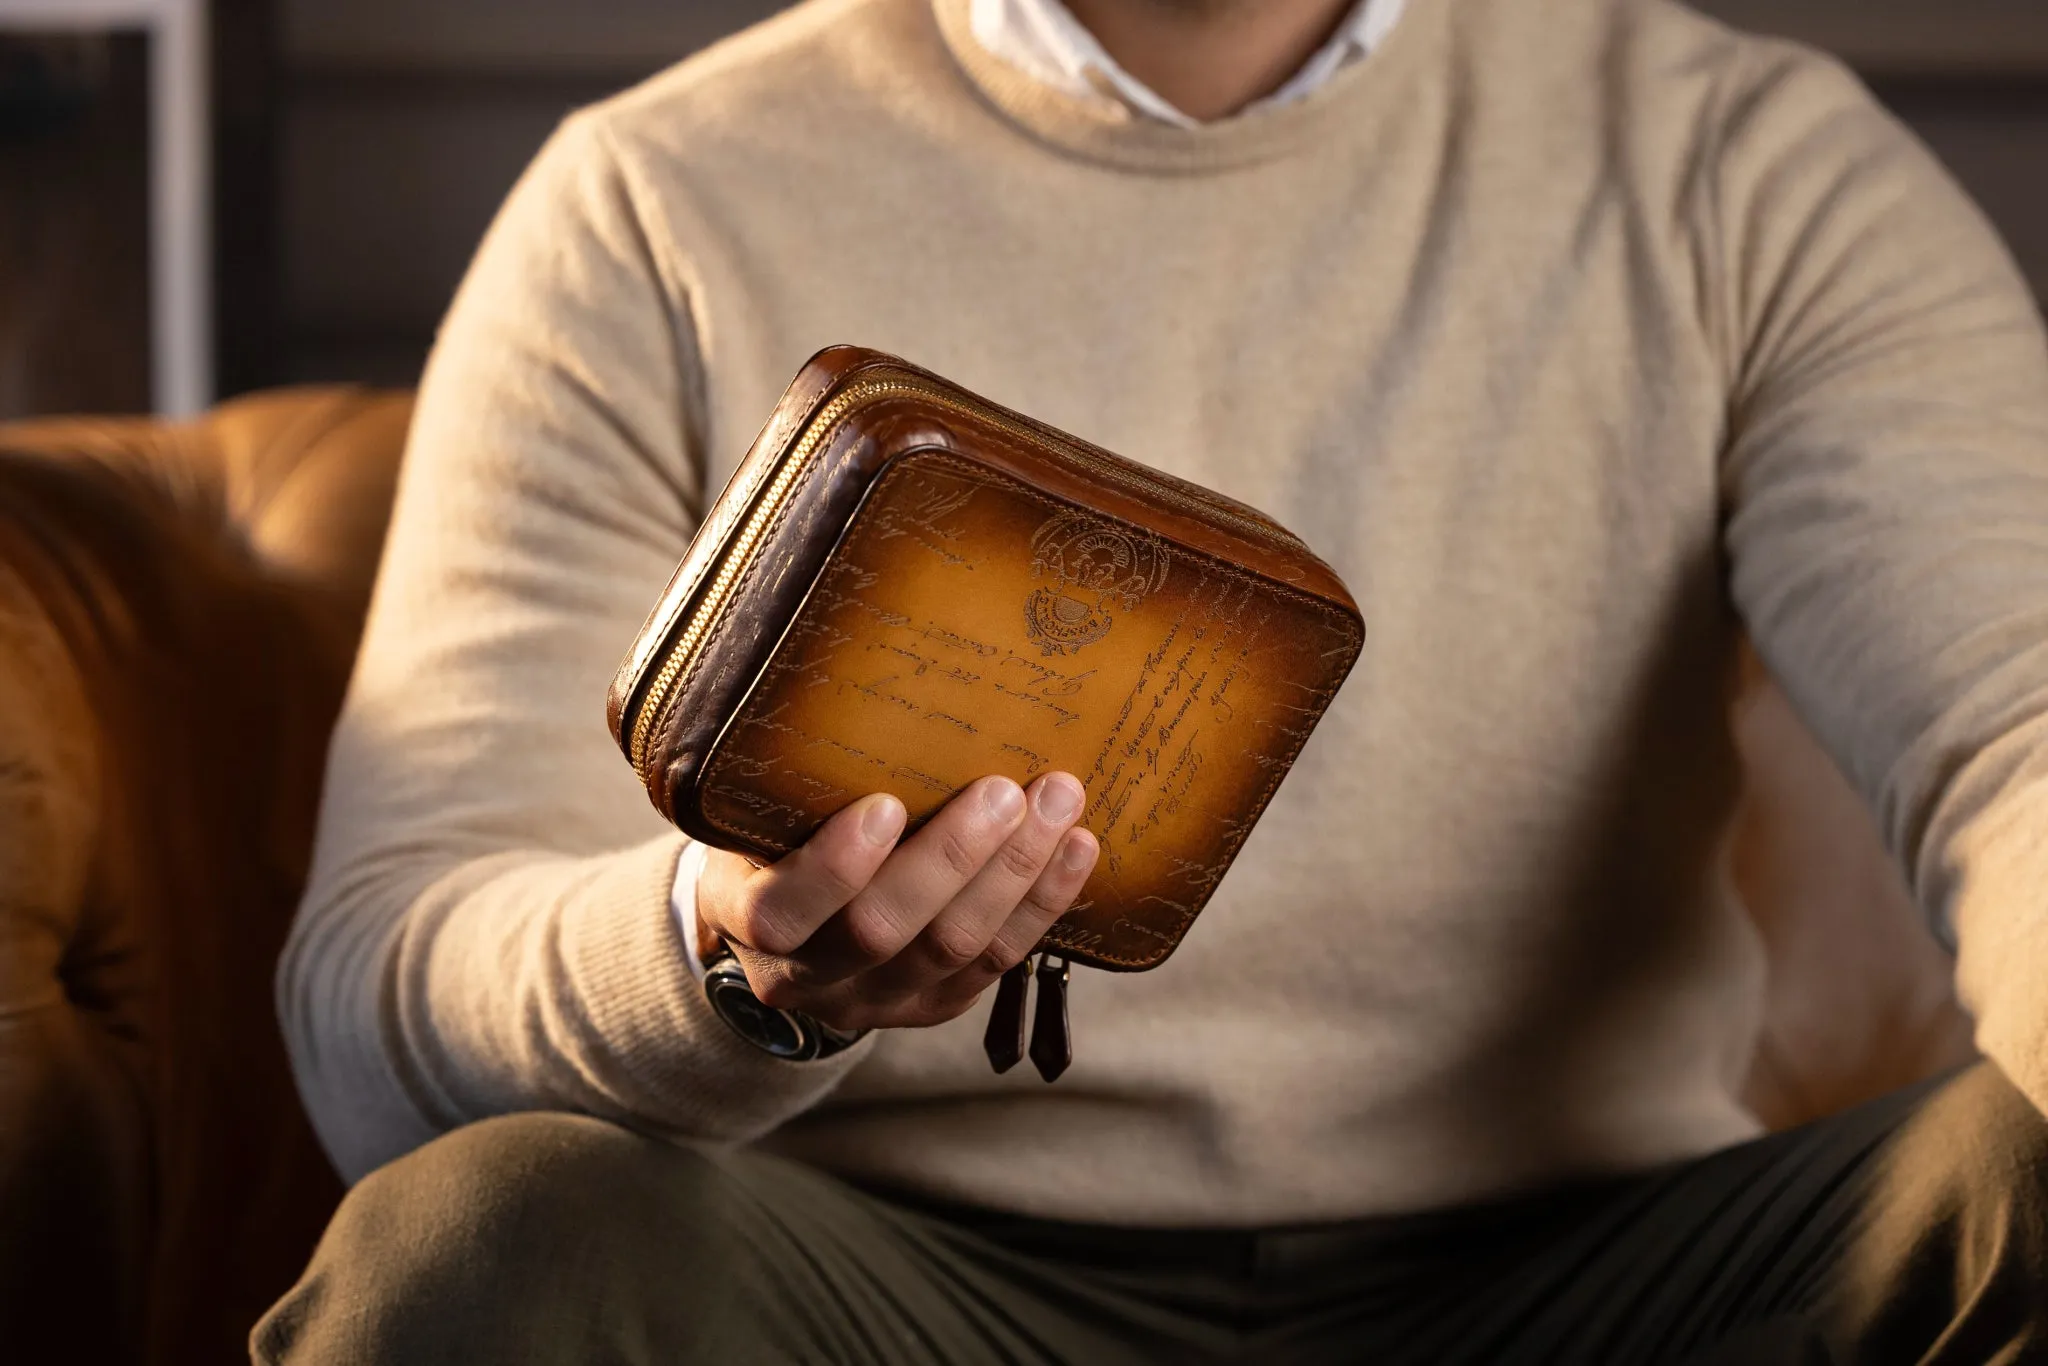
[{"x": 1093, "y": 566}]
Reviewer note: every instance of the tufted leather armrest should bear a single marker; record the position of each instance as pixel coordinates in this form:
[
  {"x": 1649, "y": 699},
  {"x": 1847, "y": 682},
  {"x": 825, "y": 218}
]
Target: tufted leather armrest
[
  {"x": 303, "y": 478},
  {"x": 179, "y": 606}
]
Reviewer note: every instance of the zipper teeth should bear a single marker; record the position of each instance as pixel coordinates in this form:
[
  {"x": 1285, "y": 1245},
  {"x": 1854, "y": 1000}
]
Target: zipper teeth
[
  {"x": 735, "y": 559},
  {"x": 740, "y": 553}
]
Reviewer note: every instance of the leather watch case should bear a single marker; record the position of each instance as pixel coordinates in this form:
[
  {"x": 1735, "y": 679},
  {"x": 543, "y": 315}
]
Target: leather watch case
[{"x": 905, "y": 588}]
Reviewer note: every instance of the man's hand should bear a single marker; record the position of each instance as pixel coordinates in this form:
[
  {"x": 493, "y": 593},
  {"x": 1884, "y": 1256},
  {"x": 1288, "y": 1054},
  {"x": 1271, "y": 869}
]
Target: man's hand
[{"x": 861, "y": 933}]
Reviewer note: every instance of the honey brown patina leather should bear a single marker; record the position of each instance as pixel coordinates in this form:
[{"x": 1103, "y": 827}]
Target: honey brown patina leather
[{"x": 905, "y": 588}]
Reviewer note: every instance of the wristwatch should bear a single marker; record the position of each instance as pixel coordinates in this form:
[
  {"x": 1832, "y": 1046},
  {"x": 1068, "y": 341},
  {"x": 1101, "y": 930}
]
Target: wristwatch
[{"x": 789, "y": 1035}]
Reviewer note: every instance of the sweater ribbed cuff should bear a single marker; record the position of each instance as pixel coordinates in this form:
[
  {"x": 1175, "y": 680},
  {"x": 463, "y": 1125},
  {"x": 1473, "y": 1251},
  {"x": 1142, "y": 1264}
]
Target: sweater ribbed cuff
[{"x": 681, "y": 1068}]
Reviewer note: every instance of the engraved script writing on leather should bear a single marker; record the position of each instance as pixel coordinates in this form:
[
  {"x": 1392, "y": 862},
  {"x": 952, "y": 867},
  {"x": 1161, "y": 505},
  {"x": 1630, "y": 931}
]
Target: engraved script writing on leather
[{"x": 1154, "y": 674}]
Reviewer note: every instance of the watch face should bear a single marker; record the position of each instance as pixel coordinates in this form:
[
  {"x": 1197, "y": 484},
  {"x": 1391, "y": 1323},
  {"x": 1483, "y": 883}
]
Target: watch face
[{"x": 772, "y": 1031}]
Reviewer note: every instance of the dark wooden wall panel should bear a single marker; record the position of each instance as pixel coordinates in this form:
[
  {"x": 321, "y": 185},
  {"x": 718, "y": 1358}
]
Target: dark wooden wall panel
[
  {"x": 1916, "y": 38},
  {"x": 550, "y": 36},
  {"x": 404, "y": 123},
  {"x": 389, "y": 183},
  {"x": 248, "y": 317}
]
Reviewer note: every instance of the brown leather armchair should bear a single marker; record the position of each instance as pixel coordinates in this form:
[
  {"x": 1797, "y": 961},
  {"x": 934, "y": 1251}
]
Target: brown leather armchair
[{"x": 178, "y": 609}]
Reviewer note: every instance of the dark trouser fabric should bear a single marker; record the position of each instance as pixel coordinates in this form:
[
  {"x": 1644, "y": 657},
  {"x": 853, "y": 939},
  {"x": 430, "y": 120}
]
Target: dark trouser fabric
[{"x": 1912, "y": 1230}]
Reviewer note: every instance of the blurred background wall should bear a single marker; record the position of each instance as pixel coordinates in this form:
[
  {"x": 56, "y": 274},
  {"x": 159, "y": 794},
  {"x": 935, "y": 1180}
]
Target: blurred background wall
[
  {"x": 403, "y": 124},
  {"x": 363, "y": 145}
]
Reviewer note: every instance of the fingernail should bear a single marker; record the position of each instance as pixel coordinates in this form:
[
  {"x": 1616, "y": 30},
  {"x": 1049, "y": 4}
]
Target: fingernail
[
  {"x": 1077, "y": 851},
  {"x": 1059, "y": 799},
  {"x": 883, "y": 821},
  {"x": 1003, "y": 799}
]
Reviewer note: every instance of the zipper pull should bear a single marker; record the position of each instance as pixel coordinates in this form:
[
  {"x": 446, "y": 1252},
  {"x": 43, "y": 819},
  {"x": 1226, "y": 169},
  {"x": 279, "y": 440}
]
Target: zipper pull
[
  {"x": 1052, "y": 1048},
  {"x": 1004, "y": 1041}
]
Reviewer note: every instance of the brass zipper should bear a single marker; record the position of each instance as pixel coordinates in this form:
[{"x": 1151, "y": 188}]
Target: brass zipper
[
  {"x": 739, "y": 554},
  {"x": 736, "y": 558}
]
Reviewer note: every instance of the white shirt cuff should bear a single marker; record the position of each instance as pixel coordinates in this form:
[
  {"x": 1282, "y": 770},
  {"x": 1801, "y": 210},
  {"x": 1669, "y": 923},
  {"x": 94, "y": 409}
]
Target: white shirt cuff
[{"x": 682, "y": 903}]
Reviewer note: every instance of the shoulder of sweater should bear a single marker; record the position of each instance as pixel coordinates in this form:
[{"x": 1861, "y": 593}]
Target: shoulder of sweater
[
  {"x": 1651, "y": 33},
  {"x": 1752, "y": 70},
  {"x": 1663, "y": 70},
  {"x": 1655, "y": 68},
  {"x": 1780, "y": 104},
  {"x": 821, "y": 55}
]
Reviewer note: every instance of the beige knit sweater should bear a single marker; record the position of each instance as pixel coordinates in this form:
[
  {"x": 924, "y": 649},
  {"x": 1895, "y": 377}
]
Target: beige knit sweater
[{"x": 1566, "y": 331}]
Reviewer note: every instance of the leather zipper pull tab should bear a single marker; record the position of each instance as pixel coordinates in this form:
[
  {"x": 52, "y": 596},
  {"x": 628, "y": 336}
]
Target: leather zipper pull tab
[
  {"x": 1052, "y": 1047},
  {"x": 1004, "y": 1041}
]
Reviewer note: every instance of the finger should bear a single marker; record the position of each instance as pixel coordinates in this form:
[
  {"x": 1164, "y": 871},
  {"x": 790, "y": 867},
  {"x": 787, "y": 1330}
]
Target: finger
[
  {"x": 959, "y": 934},
  {"x": 1050, "y": 897},
  {"x": 915, "y": 883},
  {"x": 776, "y": 910},
  {"x": 854, "y": 1005}
]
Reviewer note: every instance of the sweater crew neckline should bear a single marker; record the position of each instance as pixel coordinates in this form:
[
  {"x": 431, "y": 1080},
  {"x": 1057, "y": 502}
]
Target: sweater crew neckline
[{"x": 1107, "y": 130}]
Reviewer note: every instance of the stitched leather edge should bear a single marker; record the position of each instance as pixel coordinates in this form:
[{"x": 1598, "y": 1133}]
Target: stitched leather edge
[{"x": 739, "y": 589}]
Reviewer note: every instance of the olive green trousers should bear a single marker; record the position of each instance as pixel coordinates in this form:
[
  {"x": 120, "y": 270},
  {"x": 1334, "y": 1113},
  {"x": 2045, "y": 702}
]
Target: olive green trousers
[{"x": 1911, "y": 1230}]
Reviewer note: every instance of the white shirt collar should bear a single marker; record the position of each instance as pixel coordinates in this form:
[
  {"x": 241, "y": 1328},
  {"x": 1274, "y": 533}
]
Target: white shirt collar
[{"x": 1045, "y": 41}]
